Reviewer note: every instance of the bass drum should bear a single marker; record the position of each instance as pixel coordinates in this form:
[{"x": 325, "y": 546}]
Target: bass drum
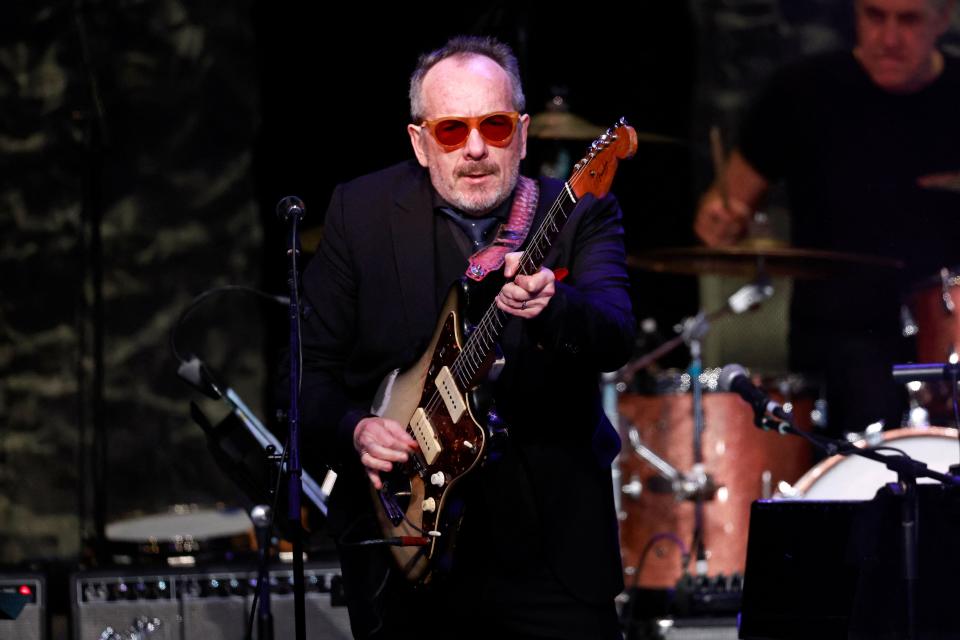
[
  {"x": 856, "y": 478},
  {"x": 744, "y": 463}
]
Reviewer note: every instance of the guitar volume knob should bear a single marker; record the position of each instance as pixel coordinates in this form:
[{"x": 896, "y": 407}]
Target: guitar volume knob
[
  {"x": 438, "y": 479},
  {"x": 429, "y": 505}
]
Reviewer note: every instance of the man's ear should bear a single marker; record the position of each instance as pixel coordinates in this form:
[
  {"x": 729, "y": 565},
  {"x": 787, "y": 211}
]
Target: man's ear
[
  {"x": 416, "y": 141},
  {"x": 523, "y": 125}
]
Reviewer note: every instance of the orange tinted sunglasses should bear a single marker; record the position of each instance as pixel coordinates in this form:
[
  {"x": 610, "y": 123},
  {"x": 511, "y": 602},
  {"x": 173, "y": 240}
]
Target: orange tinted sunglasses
[{"x": 451, "y": 132}]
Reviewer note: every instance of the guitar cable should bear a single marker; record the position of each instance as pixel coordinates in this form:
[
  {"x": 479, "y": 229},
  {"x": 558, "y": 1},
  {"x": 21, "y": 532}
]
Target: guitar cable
[{"x": 393, "y": 541}]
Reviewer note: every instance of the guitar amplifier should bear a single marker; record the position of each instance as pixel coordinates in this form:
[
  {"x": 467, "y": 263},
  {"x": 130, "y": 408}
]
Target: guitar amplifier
[
  {"x": 30, "y": 623},
  {"x": 203, "y": 604}
]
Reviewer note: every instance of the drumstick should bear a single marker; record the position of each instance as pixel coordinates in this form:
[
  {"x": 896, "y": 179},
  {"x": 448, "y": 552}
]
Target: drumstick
[{"x": 719, "y": 165}]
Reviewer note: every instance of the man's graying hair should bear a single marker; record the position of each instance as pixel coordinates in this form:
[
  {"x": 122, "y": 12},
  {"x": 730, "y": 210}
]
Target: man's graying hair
[{"x": 465, "y": 46}]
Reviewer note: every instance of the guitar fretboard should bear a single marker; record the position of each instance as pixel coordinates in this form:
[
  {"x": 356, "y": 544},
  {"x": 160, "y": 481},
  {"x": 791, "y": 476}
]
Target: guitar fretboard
[{"x": 485, "y": 335}]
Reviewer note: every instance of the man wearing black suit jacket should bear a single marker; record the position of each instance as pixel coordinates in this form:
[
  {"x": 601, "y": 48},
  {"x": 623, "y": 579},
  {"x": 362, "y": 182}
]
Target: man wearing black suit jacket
[{"x": 537, "y": 555}]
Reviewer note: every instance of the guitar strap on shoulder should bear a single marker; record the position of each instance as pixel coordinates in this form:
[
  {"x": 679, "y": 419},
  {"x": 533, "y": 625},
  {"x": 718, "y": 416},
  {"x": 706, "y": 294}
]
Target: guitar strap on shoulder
[{"x": 511, "y": 234}]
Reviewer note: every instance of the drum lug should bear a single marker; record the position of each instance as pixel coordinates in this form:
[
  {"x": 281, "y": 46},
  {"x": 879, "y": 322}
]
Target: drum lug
[
  {"x": 634, "y": 488},
  {"x": 947, "y": 282}
]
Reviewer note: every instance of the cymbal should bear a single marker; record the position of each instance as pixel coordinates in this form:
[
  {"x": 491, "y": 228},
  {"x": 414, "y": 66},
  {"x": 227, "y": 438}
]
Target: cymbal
[
  {"x": 748, "y": 261},
  {"x": 563, "y": 125}
]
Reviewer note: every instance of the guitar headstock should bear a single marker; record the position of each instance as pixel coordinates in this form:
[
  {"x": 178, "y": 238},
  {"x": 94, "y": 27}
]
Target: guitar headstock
[{"x": 594, "y": 173}]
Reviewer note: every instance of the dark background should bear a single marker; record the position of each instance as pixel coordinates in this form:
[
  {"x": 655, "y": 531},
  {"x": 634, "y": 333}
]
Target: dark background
[{"x": 205, "y": 115}]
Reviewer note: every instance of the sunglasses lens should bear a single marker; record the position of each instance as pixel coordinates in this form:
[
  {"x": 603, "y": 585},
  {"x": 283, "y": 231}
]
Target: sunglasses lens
[
  {"x": 496, "y": 128},
  {"x": 451, "y": 132}
]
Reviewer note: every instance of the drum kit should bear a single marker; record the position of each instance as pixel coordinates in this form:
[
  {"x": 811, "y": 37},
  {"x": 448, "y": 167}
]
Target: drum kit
[{"x": 692, "y": 461}]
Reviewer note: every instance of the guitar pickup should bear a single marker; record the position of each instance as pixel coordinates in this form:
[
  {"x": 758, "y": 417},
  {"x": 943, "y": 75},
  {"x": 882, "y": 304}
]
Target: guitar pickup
[
  {"x": 425, "y": 435},
  {"x": 447, "y": 387}
]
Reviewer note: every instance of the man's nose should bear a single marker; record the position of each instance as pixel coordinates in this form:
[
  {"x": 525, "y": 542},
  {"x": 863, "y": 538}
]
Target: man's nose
[
  {"x": 890, "y": 32},
  {"x": 476, "y": 147}
]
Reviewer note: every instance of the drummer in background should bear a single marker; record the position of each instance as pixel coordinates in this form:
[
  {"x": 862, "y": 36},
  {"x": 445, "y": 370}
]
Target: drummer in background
[{"x": 858, "y": 137}]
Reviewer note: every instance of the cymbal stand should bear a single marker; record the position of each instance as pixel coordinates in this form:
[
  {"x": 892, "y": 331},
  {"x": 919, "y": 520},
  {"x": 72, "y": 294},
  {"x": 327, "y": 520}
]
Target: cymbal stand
[
  {"x": 696, "y": 485},
  {"x": 748, "y": 297},
  {"x": 693, "y": 333}
]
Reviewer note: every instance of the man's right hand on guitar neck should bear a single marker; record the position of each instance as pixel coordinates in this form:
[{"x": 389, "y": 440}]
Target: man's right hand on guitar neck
[{"x": 380, "y": 442}]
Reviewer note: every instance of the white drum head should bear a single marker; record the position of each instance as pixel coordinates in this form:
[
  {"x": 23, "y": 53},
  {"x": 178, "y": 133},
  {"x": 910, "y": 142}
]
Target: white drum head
[{"x": 856, "y": 478}]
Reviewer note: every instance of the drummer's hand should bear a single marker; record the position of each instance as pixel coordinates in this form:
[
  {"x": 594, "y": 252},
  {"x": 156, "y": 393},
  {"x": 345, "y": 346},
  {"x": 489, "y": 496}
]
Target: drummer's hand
[
  {"x": 718, "y": 225},
  {"x": 380, "y": 442}
]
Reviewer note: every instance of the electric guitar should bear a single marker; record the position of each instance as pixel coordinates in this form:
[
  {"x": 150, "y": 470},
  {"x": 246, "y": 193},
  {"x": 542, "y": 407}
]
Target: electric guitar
[{"x": 438, "y": 398}]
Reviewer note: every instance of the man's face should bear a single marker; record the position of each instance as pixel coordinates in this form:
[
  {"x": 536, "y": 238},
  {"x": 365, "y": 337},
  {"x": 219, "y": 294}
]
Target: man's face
[
  {"x": 896, "y": 42},
  {"x": 478, "y": 176}
]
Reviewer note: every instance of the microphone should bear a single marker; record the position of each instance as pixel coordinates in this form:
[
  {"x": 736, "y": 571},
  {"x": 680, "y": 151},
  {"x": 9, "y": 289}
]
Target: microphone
[
  {"x": 734, "y": 378},
  {"x": 291, "y": 207}
]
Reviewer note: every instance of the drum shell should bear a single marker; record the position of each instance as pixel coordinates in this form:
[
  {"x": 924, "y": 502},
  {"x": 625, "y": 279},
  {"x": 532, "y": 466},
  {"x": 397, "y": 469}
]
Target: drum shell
[
  {"x": 735, "y": 454},
  {"x": 937, "y": 339},
  {"x": 938, "y": 329}
]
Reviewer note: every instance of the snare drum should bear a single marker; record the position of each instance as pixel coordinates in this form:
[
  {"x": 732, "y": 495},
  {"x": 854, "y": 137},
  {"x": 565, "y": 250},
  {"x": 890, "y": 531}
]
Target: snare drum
[
  {"x": 744, "y": 462},
  {"x": 185, "y": 535},
  {"x": 856, "y": 478}
]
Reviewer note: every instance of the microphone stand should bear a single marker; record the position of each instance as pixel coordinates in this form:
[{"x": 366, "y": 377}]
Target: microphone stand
[
  {"x": 908, "y": 471},
  {"x": 291, "y": 210}
]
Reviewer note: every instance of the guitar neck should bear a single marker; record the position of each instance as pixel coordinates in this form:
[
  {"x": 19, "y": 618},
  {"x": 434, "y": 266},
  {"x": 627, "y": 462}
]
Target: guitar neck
[
  {"x": 532, "y": 258},
  {"x": 485, "y": 335}
]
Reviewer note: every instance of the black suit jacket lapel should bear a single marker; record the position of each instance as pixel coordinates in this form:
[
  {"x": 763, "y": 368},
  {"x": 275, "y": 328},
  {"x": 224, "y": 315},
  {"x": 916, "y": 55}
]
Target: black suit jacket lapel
[{"x": 411, "y": 225}]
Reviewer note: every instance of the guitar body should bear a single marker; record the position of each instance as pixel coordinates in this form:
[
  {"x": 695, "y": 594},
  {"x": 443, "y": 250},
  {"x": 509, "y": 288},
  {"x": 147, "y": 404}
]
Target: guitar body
[{"x": 442, "y": 413}]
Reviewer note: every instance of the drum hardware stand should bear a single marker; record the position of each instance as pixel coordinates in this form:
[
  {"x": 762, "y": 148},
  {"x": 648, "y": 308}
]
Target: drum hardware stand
[
  {"x": 746, "y": 298},
  {"x": 694, "y": 332},
  {"x": 934, "y": 371},
  {"x": 610, "y": 393},
  {"x": 697, "y": 485},
  {"x": 908, "y": 471}
]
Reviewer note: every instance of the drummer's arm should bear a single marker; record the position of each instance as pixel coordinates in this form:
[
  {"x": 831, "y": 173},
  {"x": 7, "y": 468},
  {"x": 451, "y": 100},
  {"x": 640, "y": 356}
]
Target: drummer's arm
[{"x": 725, "y": 208}]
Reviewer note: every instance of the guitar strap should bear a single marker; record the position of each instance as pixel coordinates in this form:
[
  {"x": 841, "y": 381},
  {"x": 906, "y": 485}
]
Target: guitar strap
[{"x": 511, "y": 234}]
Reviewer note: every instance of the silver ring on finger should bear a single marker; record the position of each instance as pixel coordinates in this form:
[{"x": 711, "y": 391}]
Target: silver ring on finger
[{"x": 523, "y": 305}]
